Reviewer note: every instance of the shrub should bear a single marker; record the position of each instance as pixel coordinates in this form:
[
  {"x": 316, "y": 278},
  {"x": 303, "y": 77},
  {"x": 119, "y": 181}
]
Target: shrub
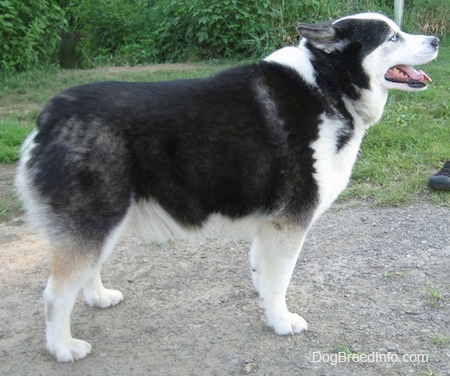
[
  {"x": 106, "y": 26},
  {"x": 179, "y": 30},
  {"x": 211, "y": 29},
  {"x": 151, "y": 31},
  {"x": 29, "y": 32}
]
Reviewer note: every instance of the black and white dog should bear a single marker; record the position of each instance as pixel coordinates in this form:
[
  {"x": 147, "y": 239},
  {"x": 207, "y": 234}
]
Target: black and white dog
[{"x": 261, "y": 150}]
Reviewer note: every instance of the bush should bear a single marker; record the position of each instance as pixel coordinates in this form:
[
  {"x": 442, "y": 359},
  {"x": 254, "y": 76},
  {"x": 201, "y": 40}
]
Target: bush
[
  {"x": 208, "y": 29},
  {"x": 130, "y": 32},
  {"x": 106, "y": 26},
  {"x": 29, "y": 32}
]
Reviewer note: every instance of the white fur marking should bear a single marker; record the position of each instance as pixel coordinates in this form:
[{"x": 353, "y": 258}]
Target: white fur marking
[
  {"x": 333, "y": 168},
  {"x": 369, "y": 16},
  {"x": 296, "y": 58}
]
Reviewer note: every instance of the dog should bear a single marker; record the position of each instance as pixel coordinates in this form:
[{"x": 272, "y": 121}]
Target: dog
[{"x": 259, "y": 150}]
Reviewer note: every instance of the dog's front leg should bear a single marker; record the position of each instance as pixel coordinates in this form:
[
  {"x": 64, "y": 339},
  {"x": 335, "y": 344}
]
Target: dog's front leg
[{"x": 273, "y": 256}]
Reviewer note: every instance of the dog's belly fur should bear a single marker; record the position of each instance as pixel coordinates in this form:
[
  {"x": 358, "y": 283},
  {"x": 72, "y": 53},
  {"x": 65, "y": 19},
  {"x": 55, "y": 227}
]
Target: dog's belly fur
[{"x": 152, "y": 222}]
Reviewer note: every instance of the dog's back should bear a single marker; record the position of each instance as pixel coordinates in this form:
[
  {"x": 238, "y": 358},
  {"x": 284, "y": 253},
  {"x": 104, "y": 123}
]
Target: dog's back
[{"x": 197, "y": 147}]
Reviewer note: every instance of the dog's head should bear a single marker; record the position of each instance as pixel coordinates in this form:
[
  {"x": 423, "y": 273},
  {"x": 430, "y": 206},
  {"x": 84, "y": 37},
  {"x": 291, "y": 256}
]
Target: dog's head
[{"x": 372, "y": 50}]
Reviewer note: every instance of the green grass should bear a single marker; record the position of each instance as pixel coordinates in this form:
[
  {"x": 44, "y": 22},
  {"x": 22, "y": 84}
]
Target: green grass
[
  {"x": 434, "y": 296},
  {"x": 440, "y": 339},
  {"x": 11, "y": 137},
  {"x": 398, "y": 155},
  {"x": 343, "y": 348},
  {"x": 392, "y": 274}
]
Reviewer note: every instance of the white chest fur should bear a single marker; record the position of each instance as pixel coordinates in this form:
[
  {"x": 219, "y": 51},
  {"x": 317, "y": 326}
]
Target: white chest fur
[{"x": 333, "y": 167}]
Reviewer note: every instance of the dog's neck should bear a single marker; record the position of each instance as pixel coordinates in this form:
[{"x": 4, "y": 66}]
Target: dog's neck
[
  {"x": 363, "y": 102},
  {"x": 368, "y": 110}
]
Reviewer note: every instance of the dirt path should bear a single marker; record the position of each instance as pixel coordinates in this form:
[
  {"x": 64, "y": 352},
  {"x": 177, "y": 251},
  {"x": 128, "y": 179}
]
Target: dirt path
[{"x": 372, "y": 283}]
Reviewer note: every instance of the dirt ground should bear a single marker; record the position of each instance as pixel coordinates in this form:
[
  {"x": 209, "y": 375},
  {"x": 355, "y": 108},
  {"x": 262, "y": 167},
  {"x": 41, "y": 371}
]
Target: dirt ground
[{"x": 373, "y": 283}]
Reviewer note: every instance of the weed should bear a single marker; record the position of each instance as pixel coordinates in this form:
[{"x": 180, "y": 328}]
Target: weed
[
  {"x": 343, "y": 348},
  {"x": 391, "y": 274},
  {"x": 427, "y": 372},
  {"x": 435, "y": 295},
  {"x": 440, "y": 339}
]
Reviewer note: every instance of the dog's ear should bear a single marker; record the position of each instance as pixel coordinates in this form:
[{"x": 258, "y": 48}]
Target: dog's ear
[{"x": 322, "y": 36}]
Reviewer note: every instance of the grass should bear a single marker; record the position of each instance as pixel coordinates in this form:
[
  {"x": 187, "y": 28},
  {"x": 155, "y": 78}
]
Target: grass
[
  {"x": 398, "y": 155},
  {"x": 427, "y": 372},
  {"x": 11, "y": 137},
  {"x": 392, "y": 274},
  {"x": 440, "y": 339},
  {"x": 343, "y": 348},
  {"x": 434, "y": 296}
]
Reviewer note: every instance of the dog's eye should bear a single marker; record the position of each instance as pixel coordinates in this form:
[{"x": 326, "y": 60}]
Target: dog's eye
[{"x": 395, "y": 38}]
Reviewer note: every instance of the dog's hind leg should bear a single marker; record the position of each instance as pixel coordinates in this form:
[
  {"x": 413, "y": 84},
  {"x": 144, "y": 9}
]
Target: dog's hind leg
[
  {"x": 95, "y": 294},
  {"x": 74, "y": 268},
  {"x": 70, "y": 269},
  {"x": 273, "y": 256}
]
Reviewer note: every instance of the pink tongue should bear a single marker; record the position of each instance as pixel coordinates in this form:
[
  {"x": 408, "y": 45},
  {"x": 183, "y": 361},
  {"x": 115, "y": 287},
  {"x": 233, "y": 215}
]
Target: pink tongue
[{"x": 420, "y": 76}]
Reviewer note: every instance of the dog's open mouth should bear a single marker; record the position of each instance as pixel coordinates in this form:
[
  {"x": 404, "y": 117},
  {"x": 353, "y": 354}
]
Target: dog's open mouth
[{"x": 405, "y": 74}]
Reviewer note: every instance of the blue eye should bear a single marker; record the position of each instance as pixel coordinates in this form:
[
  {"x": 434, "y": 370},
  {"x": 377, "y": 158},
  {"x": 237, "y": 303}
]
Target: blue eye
[{"x": 395, "y": 38}]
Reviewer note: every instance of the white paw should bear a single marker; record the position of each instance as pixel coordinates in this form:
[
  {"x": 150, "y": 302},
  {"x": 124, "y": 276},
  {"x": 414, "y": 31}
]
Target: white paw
[
  {"x": 70, "y": 350},
  {"x": 105, "y": 298},
  {"x": 289, "y": 323}
]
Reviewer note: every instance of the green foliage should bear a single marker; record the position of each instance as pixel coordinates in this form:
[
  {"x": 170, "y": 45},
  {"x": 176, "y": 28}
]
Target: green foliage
[
  {"x": 107, "y": 26},
  {"x": 29, "y": 32},
  {"x": 133, "y": 32},
  {"x": 212, "y": 29},
  {"x": 140, "y": 31},
  {"x": 130, "y": 32}
]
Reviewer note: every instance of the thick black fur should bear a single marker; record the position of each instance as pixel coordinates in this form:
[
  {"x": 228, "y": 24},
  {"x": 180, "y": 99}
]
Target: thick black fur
[
  {"x": 187, "y": 144},
  {"x": 236, "y": 143}
]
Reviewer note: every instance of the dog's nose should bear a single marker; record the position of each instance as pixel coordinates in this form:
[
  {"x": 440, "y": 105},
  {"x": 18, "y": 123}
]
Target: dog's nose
[{"x": 435, "y": 42}]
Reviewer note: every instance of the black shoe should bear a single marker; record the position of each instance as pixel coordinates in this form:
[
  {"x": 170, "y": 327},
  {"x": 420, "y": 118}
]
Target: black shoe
[{"x": 441, "y": 180}]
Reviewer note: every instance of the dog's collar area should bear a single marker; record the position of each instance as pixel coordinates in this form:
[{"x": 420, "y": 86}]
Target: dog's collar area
[{"x": 405, "y": 74}]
